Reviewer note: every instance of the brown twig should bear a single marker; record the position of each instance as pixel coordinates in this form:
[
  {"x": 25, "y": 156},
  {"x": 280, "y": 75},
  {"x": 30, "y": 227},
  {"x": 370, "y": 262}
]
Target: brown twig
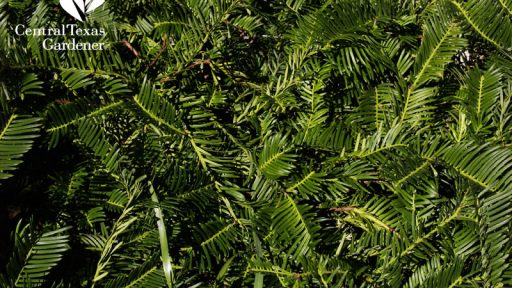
[
  {"x": 199, "y": 62},
  {"x": 131, "y": 48},
  {"x": 162, "y": 50}
]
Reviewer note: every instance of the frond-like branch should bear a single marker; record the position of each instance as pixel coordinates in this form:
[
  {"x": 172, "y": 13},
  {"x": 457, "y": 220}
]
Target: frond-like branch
[{"x": 16, "y": 138}]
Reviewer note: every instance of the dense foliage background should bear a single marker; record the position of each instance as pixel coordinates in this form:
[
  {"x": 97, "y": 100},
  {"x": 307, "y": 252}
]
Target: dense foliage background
[{"x": 240, "y": 143}]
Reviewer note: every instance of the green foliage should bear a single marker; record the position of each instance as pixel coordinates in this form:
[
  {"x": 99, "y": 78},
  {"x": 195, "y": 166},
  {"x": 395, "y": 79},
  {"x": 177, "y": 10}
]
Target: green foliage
[
  {"x": 34, "y": 257},
  {"x": 16, "y": 138},
  {"x": 229, "y": 143}
]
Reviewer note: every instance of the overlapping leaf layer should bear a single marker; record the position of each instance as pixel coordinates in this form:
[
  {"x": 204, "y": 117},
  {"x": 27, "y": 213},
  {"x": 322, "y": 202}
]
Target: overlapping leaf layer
[{"x": 255, "y": 143}]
